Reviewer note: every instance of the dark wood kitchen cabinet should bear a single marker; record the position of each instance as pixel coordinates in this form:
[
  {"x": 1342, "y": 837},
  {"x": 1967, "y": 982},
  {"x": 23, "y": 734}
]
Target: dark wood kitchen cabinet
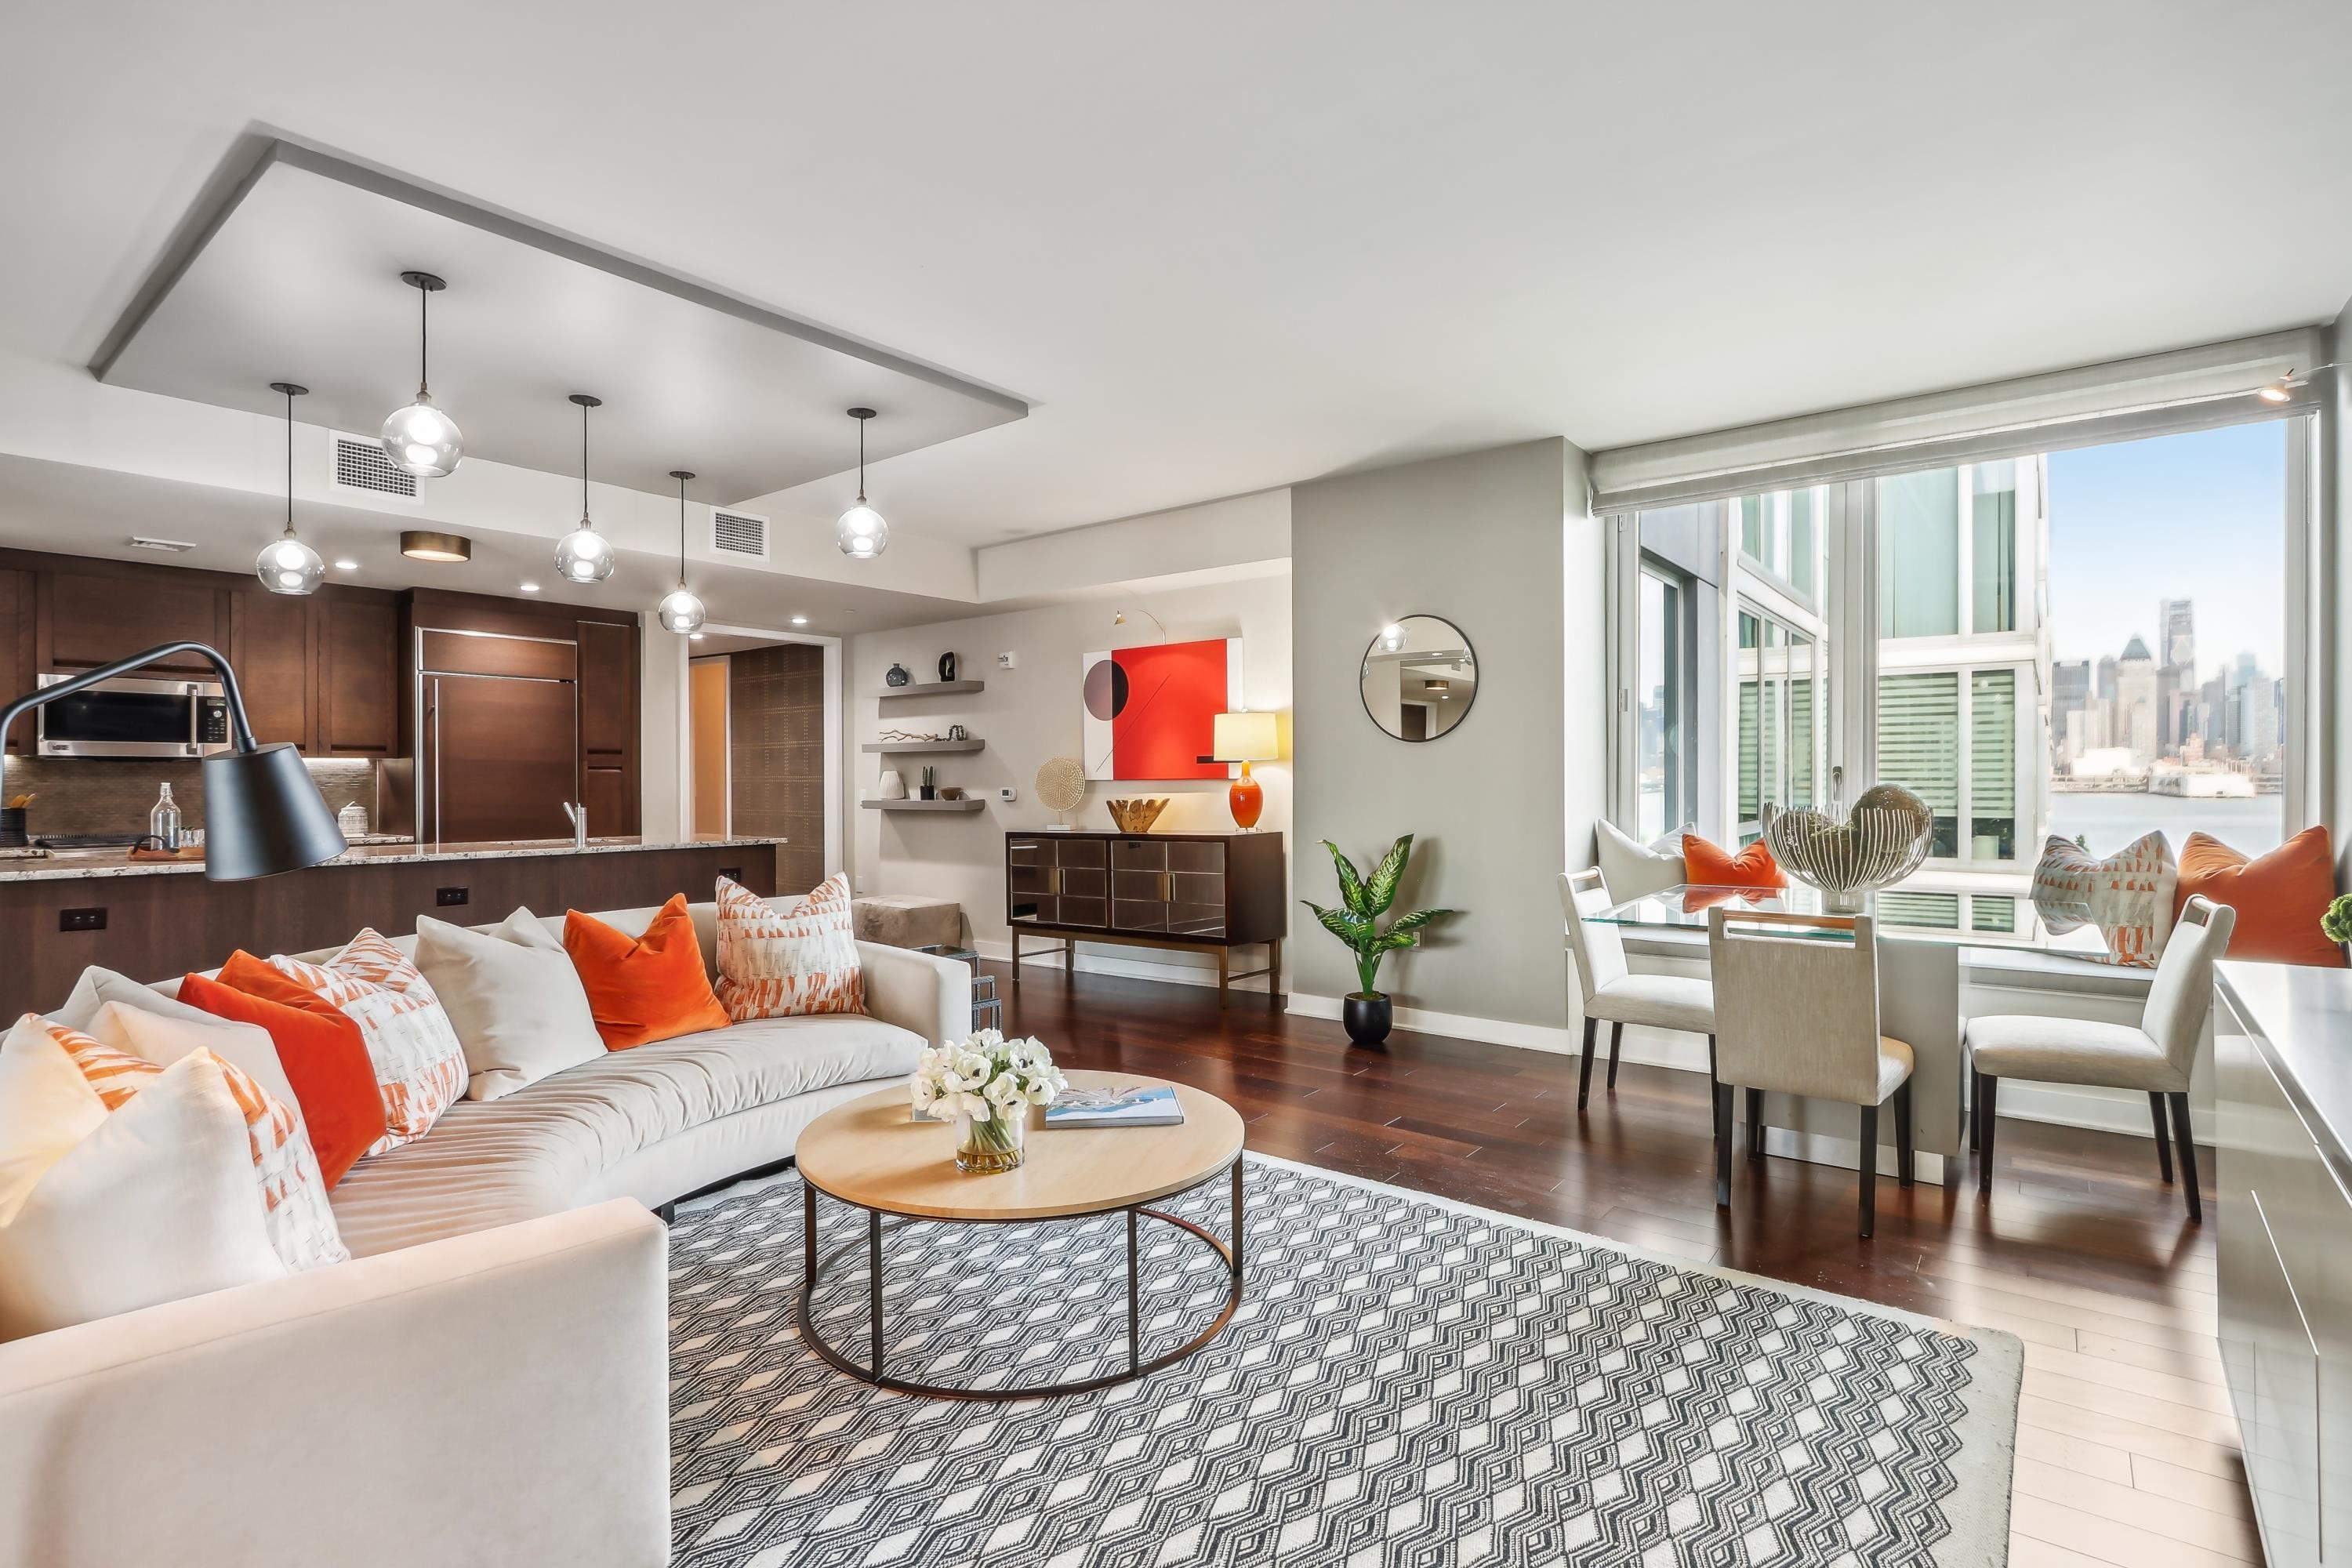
[
  {"x": 608, "y": 726},
  {"x": 94, "y": 612},
  {"x": 1212, "y": 892},
  {"x": 356, "y": 666},
  {"x": 270, "y": 651},
  {"x": 17, "y": 666}
]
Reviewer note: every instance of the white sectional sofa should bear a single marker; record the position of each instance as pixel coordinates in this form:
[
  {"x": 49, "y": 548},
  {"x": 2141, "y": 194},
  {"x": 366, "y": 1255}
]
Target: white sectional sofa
[{"x": 487, "y": 1382}]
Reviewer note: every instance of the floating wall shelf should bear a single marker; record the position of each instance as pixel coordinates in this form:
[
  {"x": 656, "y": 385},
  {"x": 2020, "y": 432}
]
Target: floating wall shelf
[
  {"x": 933, "y": 689},
  {"x": 886, "y": 746},
  {"x": 965, "y": 804}
]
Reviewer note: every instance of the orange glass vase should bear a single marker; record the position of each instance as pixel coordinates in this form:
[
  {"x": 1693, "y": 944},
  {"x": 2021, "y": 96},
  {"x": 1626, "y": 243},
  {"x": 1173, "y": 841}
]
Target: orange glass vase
[{"x": 1247, "y": 799}]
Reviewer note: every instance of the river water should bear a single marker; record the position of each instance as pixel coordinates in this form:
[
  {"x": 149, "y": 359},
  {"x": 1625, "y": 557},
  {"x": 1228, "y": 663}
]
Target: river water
[{"x": 2108, "y": 822}]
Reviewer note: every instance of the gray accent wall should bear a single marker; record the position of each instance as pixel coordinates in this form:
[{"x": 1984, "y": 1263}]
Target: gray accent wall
[{"x": 1500, "y": 543}]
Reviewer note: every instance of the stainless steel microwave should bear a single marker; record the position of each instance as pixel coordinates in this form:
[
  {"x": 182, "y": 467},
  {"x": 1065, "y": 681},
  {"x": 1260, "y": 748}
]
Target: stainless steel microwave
[{"x": 133, "y": 718}]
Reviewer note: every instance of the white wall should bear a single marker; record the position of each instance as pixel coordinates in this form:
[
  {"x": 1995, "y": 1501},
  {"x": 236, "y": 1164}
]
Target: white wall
[
  {"x": 665, "y": 755},
  {"x": 1500, "y": 543},
  {"x": 1030, "y": 714}
]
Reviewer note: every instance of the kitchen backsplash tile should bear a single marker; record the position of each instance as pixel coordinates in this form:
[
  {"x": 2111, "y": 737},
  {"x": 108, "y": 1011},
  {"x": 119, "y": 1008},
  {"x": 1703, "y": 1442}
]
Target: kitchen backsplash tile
[{"x": 113, "y": 795}]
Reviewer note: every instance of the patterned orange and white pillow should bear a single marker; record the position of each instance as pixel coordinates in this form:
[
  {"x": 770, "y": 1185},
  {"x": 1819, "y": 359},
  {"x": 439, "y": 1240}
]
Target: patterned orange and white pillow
[
  {"x": 2128, "y": 894},
  {"x": 302, "y": 1226},
  {"x": 777, "y": 963},
  {"x": 420, "y": 1068}
]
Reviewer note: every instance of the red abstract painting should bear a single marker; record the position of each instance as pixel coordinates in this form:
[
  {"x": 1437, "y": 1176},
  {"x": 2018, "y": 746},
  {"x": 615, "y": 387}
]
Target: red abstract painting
[{"x": 1151, "y": 712}]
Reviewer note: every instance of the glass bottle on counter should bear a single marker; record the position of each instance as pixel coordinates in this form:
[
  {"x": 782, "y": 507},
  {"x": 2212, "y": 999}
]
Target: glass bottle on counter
[{"x": 164, "y": 822}]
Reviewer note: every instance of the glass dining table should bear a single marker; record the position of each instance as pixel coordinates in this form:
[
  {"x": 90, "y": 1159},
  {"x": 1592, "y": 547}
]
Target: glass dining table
[{"x": 1918, "y": 1003}]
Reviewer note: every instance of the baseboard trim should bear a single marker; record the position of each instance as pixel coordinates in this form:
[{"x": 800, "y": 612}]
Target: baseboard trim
[{"x": 1461, "y": 1025}]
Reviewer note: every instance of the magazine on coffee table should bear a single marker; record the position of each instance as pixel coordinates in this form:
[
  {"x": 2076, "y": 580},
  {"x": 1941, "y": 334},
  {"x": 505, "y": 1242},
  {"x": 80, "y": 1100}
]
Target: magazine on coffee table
[{"x": 1156, "y": 1105}]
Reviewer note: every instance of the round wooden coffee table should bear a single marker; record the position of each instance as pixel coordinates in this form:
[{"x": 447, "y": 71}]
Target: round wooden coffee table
[{"x": 872, "y": 1155}]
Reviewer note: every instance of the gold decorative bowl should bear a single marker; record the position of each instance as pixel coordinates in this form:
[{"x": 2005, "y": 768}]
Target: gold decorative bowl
[{"x": 1136, "y": 816}]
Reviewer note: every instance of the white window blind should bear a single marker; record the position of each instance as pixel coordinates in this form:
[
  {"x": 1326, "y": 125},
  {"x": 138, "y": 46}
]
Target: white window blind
[
  {"x": 1992, "y": 743},
  {"x": 1919, "y": 736},
  {"x": 2121, "y": 400}
]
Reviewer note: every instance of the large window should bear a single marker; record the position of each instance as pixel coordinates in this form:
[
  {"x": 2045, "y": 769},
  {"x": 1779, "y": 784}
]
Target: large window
[{"x": 2092, "y": 643}]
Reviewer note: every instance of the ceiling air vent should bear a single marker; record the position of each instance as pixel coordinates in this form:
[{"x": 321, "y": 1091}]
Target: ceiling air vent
[
  {"x": 739, "y": 533},
  {"x": 167, "y": 546},
  {"x": 362, "y": 466}
]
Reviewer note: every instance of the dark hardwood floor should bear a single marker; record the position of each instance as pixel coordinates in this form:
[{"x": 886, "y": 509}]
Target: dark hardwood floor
[{"x": 2127, "y": 1453}]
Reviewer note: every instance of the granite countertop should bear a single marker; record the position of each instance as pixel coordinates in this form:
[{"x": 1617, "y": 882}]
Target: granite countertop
[
  {"x": 2300, "y": 1016},
  {"x": 77, "y": 863}
]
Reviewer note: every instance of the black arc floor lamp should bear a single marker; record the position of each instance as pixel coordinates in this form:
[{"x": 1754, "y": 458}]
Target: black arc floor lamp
[{"x": 262, "y": 812}]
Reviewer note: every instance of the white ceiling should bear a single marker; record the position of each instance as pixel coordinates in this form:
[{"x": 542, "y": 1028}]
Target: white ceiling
[
  {"x": 300, "y": 282},
  {"x": 1226, "y": 246}
]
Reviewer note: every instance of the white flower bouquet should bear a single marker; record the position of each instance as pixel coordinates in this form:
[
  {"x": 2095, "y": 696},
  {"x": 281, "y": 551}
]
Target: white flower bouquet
[{"x": 987, "y": 1083}]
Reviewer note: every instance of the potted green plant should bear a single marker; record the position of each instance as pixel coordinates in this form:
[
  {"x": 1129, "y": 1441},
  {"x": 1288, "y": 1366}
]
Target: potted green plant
[
  {"x": 2337, "y": 923},
  {"x": 1367, "y": 1011},
  {"x": 930, "y": 783}
]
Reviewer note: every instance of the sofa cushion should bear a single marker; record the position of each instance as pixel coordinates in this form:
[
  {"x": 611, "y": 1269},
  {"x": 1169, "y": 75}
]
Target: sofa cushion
[
  {"x": 541, "y": 1148},
  {"x": 513, "y": 999},
  {"x": 779, "y": 961},
  {"x": 648, "y": 987}
]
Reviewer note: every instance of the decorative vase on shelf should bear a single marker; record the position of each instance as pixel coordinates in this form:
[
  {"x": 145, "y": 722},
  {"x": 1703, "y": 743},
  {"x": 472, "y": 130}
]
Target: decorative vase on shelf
[
  {"x": 983, "y": 1148},
  {"x": 897, "y": 675},
  {"x": 947, "y": 666},
  {"x": 891, "y": 787}
]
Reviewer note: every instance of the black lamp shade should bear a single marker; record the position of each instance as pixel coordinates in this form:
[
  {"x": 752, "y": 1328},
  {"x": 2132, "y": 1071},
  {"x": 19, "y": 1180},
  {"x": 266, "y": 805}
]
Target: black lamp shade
[{"x": 264, "y": 815}]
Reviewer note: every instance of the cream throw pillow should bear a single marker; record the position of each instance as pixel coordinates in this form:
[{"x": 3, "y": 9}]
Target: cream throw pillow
[
  {"x": 99, "y": 987},
  {"x": 1635, "y": 870},
  {"x": 514, "y": 999},
  {"x": 162, "y": 1038},
  {"x": 420, "y": 1068},
  {"x": 103, "y": 1212},
  {"x": 779, "y": 962}
]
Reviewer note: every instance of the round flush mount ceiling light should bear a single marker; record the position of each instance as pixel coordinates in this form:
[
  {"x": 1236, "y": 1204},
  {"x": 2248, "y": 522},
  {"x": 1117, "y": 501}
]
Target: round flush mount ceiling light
[
  {"x": 582, "y": 555},
  {"x": 420, "y": 439},
  {"x": 681, "y": 612},
  {"x": 443, "y": 548},
  {"x": 286, "y": 565},
  {"x": 861, "y": 532}
]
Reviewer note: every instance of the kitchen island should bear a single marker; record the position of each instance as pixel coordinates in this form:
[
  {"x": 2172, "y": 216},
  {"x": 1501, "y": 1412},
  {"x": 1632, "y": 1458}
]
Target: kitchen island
[{"x": 155, "y": 919}]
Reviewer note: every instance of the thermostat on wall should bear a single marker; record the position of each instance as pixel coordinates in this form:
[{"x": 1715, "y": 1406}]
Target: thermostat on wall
[
  {"x": 1007, "y": 792},
  {"x": 1008, "y": 661}
]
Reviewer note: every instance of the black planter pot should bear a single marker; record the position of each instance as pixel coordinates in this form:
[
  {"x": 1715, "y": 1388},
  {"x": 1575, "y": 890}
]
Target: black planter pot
[
  {"x": 927, "y": 790},
  {"x": 1368, "y": 1018}
]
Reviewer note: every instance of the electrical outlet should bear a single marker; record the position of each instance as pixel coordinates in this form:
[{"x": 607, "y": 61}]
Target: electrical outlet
[
  {"x": 450, "y": 897},
  {"x": 82, "y": 920},
  {"x": 1007, "y": 793},
  {"x": 1008, "y": 661}
]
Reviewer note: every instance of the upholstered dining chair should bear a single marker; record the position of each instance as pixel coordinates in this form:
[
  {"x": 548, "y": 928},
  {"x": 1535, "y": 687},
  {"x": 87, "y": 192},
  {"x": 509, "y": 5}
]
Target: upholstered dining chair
[
  {"x": 1800, "y": 1016},
  {"x": 1612, "y": 991},
  {"x": 2155, "y": 1057}
]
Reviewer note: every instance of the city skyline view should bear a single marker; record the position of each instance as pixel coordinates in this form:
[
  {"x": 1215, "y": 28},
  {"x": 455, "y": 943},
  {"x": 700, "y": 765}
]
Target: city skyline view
[{"x": 2138, "y": 523}]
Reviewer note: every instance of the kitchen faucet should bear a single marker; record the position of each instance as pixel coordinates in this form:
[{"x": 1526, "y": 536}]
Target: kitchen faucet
[{"x": 578, "y": 816}]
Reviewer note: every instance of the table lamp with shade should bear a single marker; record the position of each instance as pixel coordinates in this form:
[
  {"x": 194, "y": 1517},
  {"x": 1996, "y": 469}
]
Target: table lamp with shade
[
  {"x": 1246, "y": 738},
  {"x": 263, "y": 815}
]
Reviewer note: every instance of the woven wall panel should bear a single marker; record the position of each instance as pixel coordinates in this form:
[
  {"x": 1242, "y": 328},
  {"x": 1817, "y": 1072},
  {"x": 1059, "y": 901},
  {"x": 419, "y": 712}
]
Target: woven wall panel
[{"x": 776, "y": 744}]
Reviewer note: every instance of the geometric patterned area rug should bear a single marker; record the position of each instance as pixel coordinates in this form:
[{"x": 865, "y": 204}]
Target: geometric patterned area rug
[{"x": 1409, "y": 1381}]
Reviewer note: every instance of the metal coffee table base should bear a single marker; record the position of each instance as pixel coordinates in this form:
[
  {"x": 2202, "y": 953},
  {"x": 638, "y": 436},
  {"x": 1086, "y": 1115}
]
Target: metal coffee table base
[{"x": 813, "y": 1270}]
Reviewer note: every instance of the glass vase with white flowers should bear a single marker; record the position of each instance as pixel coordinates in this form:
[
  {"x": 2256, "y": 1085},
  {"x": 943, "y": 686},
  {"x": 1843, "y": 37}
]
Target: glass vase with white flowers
[{"x": 987, "y": 1083}]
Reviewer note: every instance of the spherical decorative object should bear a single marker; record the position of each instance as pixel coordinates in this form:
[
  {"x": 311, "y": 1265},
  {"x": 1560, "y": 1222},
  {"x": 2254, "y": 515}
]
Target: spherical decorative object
[
  {"x": 861, "y": 532},
  {"x": 681, "y": 612},
  {"x": 289, "y": 566},
  {"x": 421, "y": 440},
  {"x": 1062, "y": 784},
  {"x": 584, "y": 556},
  {"x": 1882, "y": 841}
]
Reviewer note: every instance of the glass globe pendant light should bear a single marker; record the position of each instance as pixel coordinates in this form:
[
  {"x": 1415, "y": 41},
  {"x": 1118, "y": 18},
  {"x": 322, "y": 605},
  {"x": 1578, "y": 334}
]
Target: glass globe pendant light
[
  {"x": 420, "y": 439},
  {"x": 582, "y": 555},
  {"x": 681, "y": 612},
  {"x": 861, "y": 532},
  {"x": 286, "y": 565}
]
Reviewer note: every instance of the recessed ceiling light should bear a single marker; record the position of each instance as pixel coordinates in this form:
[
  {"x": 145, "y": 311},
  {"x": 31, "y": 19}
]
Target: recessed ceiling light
[
  {"x": 528, "y": 587},
  {"x": 347, "y": 565},
  {"x": 800, "y": 620}
]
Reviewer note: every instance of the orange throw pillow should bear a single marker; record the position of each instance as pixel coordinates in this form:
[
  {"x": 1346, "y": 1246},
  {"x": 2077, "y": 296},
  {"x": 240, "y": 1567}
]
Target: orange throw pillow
[
  {"x": 1706, "y": 866},
  {"x": 326, "y": 1060},
  {"x": 2279, "y": 897},
  {"x": 647, "y": 989}
]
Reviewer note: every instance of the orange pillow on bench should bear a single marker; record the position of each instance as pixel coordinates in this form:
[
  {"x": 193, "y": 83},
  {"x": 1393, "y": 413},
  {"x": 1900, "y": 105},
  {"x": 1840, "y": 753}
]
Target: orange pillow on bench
[
  {"x": 322, "y": 1051},
  {"x": 2279, "y": 897},
  {"x": 1706, "y": 866},
  {"x": 646, "y": 988}
]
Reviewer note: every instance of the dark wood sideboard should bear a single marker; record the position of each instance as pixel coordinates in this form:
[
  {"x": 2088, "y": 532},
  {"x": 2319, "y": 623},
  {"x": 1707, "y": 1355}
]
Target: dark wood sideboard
[{"x": 1206, "y": 891}]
